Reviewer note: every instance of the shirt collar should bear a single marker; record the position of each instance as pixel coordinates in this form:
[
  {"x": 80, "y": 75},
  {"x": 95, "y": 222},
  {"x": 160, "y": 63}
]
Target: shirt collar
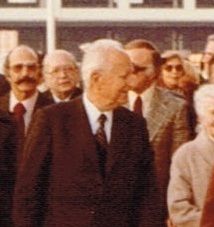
[
  {"x": 57, "y": 100},
  {"x": 28, "y": 103},
  {"x": 93, "y": 112},
  {"x": 146, "y": 97}
]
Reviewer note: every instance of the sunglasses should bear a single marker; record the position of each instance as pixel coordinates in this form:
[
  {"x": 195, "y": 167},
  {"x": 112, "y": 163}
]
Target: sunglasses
[
  {"x": 178, "y": 68},
  {"x": 137, "y": 69},
  {"x": 19, "y": 67}
]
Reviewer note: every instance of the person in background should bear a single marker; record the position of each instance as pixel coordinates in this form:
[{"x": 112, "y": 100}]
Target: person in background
[
  {"x": 21, "y": 69},
  {"x": 61, "y": 75},
  {"x": 207, "y": 56},
  {"x": 165, "y": 113},
  {"x": 8, "y": 152},
  {"x": 89, "y": 161},
  {"x": 192, "y": 165},
  {"x": 211, "y": 70},
  {"x": 179, "y": 76}
]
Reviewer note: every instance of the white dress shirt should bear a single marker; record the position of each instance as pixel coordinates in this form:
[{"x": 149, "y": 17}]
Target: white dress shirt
[
  {"x": 57, "y": 100},
  {"x": 93, "y": 114},
  {"x": 146, "y": 97},
  {"x": 27, "y": 103}
]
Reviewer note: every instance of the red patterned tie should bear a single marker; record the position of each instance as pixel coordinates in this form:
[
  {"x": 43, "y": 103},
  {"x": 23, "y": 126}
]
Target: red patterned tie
[
  {"x": 138, "y": 106},
  {"x": 19, "y": 111},
  {"x": 101, "y": 144}
]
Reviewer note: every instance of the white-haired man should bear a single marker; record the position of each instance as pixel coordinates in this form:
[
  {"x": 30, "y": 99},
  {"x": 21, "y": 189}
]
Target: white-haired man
[
  {"x": 192, "y": 165},
  {"x": 61, "y": 75},
  {"x": 89, "y": 161}
]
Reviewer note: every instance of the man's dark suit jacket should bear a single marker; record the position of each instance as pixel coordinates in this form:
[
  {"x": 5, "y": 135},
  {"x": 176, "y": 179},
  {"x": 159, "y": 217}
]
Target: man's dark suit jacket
[
  {"x": 60, "y": 183},
  {"x": 7, "y": 167},
  {"x": 75, "y": 93},
  {"x": 4, "y": 85},
  {"x": 41, "y": 102}
]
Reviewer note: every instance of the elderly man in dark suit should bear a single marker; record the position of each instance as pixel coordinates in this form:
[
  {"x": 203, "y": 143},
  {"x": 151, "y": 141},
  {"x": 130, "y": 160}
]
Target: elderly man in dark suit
[
  {"x": 8, "y": 147},
  {"x": 165, "y": 113},
  {"x": 89, "y": 161},
  {"x": 61, "y": 75},
  {"x": 21, "y": 69}
]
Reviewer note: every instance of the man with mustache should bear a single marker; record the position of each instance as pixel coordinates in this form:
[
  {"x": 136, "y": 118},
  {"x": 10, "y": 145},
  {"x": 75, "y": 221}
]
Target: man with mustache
[{"x": 21, "y": 69}]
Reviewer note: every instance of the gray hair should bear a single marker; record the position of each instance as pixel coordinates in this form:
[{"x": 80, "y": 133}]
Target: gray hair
[
  {"x": 203, "y": 97},
  {"x": 96, "y": 55},
  {"x": 59, "y": 52}
]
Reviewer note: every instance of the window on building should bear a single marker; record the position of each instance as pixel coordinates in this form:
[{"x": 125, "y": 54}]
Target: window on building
[
  {"x": 205, "y": 3},
  {"x": 89, "y": 3},
  {"x": 156, "y": 3},
  {"x": 20, "y": 3}
]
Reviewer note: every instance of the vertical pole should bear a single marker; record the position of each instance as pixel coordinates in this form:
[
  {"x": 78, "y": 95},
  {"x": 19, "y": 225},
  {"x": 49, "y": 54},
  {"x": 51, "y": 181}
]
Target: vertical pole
[
  {"x": 123, "y": 4},
  {"x": 50, "y": 27},
  {"x": 189, "y": 4}
]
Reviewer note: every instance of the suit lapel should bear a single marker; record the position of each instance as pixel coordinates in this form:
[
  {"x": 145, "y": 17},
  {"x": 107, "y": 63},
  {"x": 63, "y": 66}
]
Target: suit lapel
[
  {"x": 119, "y": 139},
  {"x": 4, "y": 102},
  {"x": 79, "y": 129},
  {"x": 41, "y": 102},
  {"x": 157, "y": 114}
]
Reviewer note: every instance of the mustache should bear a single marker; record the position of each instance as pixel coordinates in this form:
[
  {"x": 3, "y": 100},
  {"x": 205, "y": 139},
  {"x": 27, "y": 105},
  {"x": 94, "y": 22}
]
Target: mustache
[{"x": 26, "y": 79}]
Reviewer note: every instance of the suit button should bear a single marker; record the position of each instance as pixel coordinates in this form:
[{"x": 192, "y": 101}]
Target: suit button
[{"x": 92, "y": 212}]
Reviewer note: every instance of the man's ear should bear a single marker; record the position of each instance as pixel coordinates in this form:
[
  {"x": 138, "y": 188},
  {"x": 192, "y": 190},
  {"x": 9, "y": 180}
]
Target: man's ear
[{"x": 95, "y": 76}]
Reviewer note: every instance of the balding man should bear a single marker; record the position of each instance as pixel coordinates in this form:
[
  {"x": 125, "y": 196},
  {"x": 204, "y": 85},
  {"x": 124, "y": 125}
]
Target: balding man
[
  {"x": 22, "y": 71},
  {"x": 89, "y": 161},
  {"x": 61, "y": 75}
]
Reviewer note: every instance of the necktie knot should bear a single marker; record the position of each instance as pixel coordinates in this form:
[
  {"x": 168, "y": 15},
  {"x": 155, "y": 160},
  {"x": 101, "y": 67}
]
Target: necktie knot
[
  {"x": 102, "y": 119},
  {"x": 19, "y": 110}
]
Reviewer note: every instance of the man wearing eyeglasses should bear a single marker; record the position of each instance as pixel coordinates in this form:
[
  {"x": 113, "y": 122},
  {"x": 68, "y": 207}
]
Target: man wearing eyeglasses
[
  {"x": 61, "y": 75},
  {"x": 166, "y": 115},
  {"x": 21, "y": 69}
]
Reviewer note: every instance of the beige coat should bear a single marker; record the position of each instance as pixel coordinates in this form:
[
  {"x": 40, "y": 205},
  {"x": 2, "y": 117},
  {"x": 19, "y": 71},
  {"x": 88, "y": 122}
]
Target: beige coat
[{"x": 189, "y": 177}]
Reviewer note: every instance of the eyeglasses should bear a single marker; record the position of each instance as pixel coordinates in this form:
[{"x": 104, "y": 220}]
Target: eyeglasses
[
  {"x": 19, "y": 67},
  {"x": 137, "y": 68},
  {"x": 178, "y": 68},
  {"x": 65, "y": 69}
]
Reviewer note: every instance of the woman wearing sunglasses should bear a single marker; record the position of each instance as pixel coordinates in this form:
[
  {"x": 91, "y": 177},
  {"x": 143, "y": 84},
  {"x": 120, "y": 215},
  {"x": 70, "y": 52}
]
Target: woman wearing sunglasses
[{"x": 179, "y": 76}]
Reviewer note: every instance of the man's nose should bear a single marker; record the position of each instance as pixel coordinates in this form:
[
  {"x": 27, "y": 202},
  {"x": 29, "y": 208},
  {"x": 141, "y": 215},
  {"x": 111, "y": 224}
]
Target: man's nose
[{"x": 24, "y": 70}]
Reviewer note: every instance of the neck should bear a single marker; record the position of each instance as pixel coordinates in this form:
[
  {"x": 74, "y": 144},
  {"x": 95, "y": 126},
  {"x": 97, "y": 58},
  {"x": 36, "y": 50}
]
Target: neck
[
  {"x": 23, "y": 95},
  {"x": 101, "y": 106},
  {"x": 62, "y": 95},
  {"x": 139, "y": 91}
]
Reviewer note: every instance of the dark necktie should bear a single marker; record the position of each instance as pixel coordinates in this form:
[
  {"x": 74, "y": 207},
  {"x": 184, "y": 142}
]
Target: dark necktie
[
  {"x": 138, "y": 105},
  {"x": 101, "y": 144},
  {"x": 19, "y": 111}
]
